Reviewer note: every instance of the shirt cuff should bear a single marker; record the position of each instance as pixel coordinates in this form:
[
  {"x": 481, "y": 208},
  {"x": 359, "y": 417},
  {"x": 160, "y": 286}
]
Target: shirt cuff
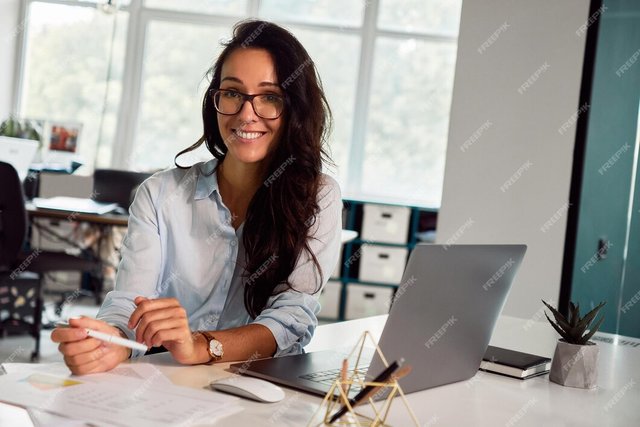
[{"x": 292, "y": 326}]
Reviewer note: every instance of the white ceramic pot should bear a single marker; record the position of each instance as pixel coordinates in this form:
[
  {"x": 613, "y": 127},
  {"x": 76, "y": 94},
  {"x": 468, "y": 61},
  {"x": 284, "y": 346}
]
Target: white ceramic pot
[{"x": 575, "y": 365}]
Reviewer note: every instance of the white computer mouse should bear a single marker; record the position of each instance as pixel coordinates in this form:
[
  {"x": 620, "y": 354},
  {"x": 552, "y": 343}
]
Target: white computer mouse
[{"x": 251, "y": 388}]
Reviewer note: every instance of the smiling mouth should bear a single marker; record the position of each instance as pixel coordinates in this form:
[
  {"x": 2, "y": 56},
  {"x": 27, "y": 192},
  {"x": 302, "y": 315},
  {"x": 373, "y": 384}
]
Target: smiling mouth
[{"x": 247, "y": 135}]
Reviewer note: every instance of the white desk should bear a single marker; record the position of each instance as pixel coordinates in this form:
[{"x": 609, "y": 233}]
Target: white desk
[{"x": 484, "y": 400}]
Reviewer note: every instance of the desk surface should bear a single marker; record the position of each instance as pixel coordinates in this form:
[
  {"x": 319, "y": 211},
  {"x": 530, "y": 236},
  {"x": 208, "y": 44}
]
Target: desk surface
[
  {"x": 484, "y": 400},
  {"x": 106, "y": 219}
]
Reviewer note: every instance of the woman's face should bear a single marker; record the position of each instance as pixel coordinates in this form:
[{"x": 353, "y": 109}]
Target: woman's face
[{"x": 248, "y": 137}]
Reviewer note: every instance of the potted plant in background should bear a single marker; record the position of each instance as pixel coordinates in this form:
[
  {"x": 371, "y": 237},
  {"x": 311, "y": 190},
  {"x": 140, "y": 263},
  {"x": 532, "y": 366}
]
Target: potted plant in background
[
  {"x": 24, "y": 129},
  {"x": 575, "y": 361}
]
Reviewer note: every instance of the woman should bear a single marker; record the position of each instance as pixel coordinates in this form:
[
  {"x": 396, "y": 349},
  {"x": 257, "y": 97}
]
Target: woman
[{"x": 223, "y": 261}]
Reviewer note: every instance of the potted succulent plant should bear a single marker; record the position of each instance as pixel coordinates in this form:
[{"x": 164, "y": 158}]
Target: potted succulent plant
[{"x": 575, "y": 361}]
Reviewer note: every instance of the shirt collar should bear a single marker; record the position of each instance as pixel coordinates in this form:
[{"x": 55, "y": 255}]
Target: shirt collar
[{"x": 207, "y": 179}]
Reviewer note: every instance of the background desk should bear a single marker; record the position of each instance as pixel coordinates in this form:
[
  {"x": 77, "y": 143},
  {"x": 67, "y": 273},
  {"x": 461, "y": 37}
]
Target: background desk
[
  {"x": 484, "y": 400},
  {"x": 106, "y": 219},
  {"x": 102, "y": 222}
]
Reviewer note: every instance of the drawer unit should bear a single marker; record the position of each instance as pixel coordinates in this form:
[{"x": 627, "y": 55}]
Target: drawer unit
[
  {"x": 330, "y": 300},
  {"x": 385, "y": 223},
  {"x": 382, "y": 264},
  {"x": 367, "y": 300}
]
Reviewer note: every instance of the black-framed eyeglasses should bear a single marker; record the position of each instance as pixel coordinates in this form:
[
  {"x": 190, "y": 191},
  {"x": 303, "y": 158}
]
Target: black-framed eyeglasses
[{"x": 229, "y": 102}]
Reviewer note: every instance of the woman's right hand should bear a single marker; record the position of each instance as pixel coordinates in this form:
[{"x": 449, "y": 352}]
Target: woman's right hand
[{"x": 86, "y": 355}]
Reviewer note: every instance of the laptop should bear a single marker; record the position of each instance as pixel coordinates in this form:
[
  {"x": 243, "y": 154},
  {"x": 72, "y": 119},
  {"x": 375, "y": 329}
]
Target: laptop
[
  {"x": 440, "y": 322},
  {"x": 19, "y": 153}
]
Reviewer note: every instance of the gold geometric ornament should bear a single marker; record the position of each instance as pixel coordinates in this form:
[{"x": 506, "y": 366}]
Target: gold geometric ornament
[{"x": 380, "y": 409}]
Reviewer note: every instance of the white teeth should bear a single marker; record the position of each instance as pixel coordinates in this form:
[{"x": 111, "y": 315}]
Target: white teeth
[{"x": 248, "y": 135}]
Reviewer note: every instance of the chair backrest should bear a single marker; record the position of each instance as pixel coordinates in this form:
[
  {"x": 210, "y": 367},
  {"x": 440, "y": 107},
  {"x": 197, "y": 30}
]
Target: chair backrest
[
  {"x": 111, "y": 185},
  {"x": 13, "y": 216}
]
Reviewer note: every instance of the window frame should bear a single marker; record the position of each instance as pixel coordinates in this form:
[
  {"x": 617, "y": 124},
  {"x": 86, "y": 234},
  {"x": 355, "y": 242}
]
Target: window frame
[{"x": 139, "y": 19}]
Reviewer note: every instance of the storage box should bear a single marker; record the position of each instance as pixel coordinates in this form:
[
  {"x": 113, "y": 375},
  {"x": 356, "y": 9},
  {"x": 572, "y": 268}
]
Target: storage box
[
  {"x": 367, "y": 300},
  {"x": 330, "y": 300},
  {"x": 382, "y": 264},
  {"x": 384, "y": 223}
]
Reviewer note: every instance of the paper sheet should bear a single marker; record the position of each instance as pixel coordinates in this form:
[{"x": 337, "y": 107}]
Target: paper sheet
[
  {"x": 45, "y": 419},
  {"x": 130, "y": 395},
  {"x": 52, "y": 368},
  {"x": 122, "y": 373}
]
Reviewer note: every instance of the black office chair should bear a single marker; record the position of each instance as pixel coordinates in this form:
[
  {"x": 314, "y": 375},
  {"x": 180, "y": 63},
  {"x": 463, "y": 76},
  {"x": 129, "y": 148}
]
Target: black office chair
[
  {"x": 18, "y": 292},
  {"x": 112, "y": 185}
]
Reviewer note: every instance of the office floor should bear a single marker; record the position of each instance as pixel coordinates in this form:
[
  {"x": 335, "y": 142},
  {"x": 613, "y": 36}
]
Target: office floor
[{"x": 18, "y": 348}]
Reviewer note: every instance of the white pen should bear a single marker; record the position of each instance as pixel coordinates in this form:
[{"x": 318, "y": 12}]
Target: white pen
[{"x": 113, "y": 339}]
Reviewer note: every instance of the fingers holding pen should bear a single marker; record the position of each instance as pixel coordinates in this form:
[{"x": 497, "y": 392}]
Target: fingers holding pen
[
  {"x": 84, "y": 354},
  {"x": 85, "y": 358},
  {"x": 65, "y": 335},
  {"x": 78, "y": 347}
]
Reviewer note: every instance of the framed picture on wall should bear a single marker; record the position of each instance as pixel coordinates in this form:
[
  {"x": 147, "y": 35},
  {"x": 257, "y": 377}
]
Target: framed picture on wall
[{"x": 63, "y": 136}]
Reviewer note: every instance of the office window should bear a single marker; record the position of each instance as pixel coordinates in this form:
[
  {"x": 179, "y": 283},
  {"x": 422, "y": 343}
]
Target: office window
[
  {"x": 174, "y": 79},
  {"x": 409, "y": 101},
  {"x": 408, "y": 119},
  {"x": 336, "y": 57},
  {"x": 420, "y": 16},
  {"x": 390, "y": 92},
  {"x": 103, "y": 4},
  {"x": 74, "y": 61},
  {"x": 219, "y": 7},
  {"x": 314, "y": 11}
]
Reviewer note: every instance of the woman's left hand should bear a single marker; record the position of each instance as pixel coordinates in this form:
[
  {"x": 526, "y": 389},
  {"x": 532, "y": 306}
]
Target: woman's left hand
[{"x": 164, "y": 322}]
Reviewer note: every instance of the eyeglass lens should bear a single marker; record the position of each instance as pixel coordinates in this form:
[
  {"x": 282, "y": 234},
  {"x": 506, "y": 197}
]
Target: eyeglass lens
[{"x": 267, "y": 106}]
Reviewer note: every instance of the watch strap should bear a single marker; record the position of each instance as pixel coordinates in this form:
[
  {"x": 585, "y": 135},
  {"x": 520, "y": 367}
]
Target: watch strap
[{"x": 209, "y": 337}]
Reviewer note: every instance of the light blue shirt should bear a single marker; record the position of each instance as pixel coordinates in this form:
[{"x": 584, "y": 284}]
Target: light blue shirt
[{"x": 180, "y": 243}]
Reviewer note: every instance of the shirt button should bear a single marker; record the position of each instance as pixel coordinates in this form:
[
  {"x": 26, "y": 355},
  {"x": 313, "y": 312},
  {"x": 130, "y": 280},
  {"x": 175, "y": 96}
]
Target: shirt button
[{"x": 233, "y": 243}]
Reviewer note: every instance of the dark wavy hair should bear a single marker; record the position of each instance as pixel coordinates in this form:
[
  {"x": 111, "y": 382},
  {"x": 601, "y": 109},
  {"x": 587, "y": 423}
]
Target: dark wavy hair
[{"x": 281, "y": 212}]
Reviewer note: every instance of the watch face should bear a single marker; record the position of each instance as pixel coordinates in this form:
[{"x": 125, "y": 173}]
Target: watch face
[{"x": 216, "y": 348}]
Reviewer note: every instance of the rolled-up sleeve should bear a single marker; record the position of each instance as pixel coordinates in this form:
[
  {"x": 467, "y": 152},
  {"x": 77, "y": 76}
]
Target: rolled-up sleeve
[
  {"x": 291, "y": 315},
  {"x": 140, "y": 266},
  {"x": 291, "y": 318}
]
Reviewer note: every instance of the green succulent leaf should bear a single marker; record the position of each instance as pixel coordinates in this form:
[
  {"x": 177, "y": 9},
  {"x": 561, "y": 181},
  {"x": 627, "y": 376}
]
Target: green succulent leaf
[
  {"x": 586, "y": 338},
  {"x": 562, "y": 333},
  {"x": 588, "y": 318},
  {"x": 575, "y": 315},
  {"x": 576, "y": 334},
  {"x": 574, "y": 330},
  {"x": 562, "y": 321}
]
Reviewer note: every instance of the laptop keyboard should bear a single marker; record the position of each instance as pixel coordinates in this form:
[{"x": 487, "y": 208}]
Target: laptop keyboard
[{"x": 329, "y": 376}]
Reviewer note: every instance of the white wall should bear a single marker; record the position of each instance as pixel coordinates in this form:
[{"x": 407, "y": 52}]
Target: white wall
[
  {"x": 502, "y": 44},
  {"x": 9, "y": 28}
]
